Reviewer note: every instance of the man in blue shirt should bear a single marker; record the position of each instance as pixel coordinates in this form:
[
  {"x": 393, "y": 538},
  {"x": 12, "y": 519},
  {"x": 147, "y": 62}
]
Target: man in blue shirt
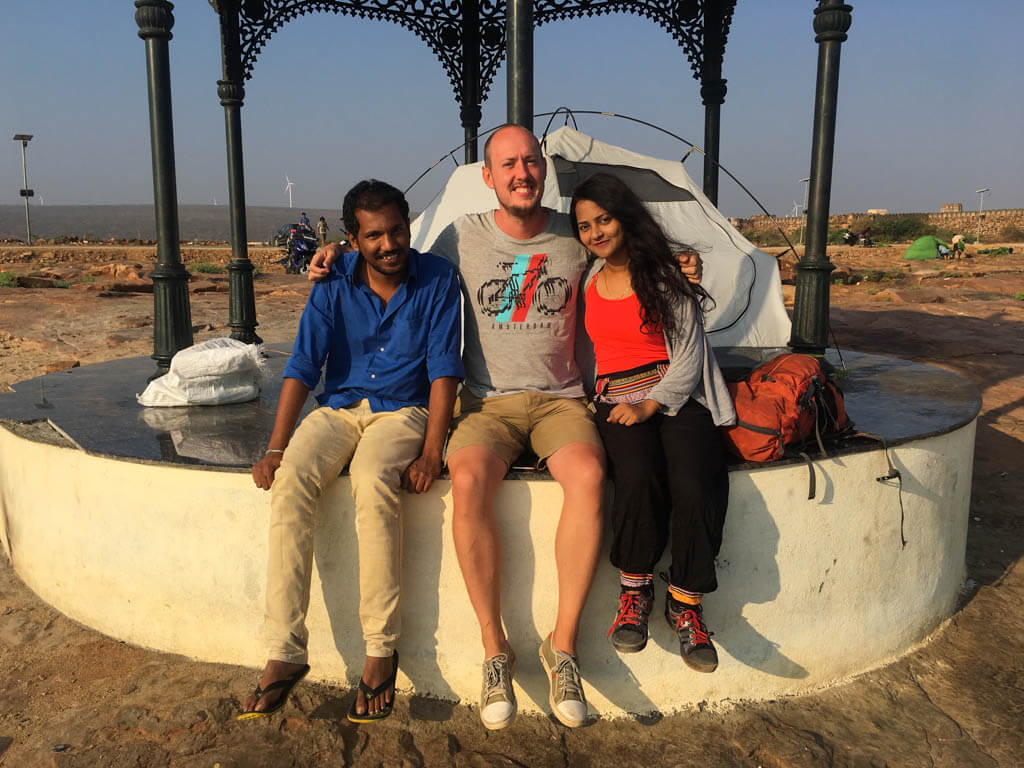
[{"x": 385, "y": 329}]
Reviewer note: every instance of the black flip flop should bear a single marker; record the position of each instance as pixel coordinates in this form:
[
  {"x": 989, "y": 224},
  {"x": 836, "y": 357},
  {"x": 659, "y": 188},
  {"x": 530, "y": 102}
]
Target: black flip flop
[
  {"x": 284, "y": 685},
  {"x": 372, "y": 693}
]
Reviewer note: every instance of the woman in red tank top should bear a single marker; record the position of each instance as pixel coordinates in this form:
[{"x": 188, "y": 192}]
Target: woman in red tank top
[{"x": 666, "y": 456}]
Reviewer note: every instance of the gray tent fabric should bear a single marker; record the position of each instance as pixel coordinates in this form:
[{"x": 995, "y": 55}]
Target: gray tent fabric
[
  {"x": 648, "y": 185},
  {"x": 743, "y": 280}
]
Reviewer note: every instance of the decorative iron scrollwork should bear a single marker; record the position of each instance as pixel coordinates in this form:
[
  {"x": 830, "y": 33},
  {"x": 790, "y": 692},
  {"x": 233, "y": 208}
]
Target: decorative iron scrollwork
[
  {"x": 683, "y": 19},
  {"x": 439, "y": 24}
]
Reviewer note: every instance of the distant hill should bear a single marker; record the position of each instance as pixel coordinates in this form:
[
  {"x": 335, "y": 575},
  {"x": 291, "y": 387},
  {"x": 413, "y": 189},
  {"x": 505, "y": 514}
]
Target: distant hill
[{"x": 195, "y": 222}]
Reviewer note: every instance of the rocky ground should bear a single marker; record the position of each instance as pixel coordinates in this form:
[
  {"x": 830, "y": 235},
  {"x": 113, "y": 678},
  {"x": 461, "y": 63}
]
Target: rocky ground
[{"x": 71, "y": 697}]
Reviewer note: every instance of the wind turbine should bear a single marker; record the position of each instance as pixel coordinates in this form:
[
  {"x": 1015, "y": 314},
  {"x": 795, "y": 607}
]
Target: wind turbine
[
  {"x": 288, "y": 184},
  {"x": 796, "y": 210}
]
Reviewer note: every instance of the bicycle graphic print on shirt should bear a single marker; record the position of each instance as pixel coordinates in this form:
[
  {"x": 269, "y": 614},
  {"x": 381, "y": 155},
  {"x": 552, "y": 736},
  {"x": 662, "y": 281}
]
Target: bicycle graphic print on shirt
[{"x": 526, "y": 284}]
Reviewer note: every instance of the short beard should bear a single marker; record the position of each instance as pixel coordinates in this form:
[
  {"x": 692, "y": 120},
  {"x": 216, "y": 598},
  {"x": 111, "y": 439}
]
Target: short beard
[{"x": 521, "y": 211}]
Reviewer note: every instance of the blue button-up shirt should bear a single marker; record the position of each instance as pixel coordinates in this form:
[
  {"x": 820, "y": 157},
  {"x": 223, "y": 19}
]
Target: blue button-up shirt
[{"x": 387, "y": 355}]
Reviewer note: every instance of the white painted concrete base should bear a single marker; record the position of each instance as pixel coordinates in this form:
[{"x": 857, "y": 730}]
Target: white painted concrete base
[{"x": 810, "y": 592}]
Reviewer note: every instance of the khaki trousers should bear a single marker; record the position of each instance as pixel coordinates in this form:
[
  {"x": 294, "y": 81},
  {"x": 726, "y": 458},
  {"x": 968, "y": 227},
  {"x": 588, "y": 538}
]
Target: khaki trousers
[{"x": 378, "y": 447}]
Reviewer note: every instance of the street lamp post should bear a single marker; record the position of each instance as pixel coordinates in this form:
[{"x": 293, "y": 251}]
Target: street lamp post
[
  {"x": 25, "y": 192},
  {"x": 803, "y": 229},
  {"x": 981, "y": 205}
]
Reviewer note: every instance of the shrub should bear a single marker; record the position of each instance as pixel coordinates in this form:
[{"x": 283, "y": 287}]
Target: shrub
[
  {"x": 1019, "y": 295},
  {"x": 8, "y": 280},
  {"x": 764, "y": 236},
  {"x": 207, "y": 268},
  {"x": 900, "y": 227},
  {"x": 859, "y": 223},
  {"x": 61, "y": 284},
  {"x": 771, "y": 237},
  {"x": 1012, "y": 233},
  {"x": 878, "y": 276}
]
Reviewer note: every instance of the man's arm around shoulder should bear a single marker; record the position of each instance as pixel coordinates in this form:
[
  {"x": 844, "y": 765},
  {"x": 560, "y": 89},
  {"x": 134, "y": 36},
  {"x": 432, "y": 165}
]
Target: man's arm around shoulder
[{"x": 323, "y": 259}]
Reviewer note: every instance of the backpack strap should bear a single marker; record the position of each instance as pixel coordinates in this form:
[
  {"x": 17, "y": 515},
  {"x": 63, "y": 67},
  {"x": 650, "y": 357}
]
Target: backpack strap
[
  {"x": 759, "y": 430},
  {"x": 892, "y": 474},
  {"x": 811, "y": 484}
]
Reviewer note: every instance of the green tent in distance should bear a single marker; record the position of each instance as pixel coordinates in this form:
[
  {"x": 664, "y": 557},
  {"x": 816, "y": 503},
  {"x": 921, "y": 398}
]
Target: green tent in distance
[{"x": 927, "y": 247}]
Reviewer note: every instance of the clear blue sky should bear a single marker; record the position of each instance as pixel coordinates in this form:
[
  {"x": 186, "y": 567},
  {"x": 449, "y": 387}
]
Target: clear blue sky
[{"x": 930, "y": 105}]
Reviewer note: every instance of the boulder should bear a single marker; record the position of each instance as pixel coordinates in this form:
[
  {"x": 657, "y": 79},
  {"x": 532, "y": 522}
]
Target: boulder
[
  {"x": 131, "y": 286},
  {"x": 36, "y": 281},
  {"x": 61, "y": 365},
  {"x": 120, "y": 271}
]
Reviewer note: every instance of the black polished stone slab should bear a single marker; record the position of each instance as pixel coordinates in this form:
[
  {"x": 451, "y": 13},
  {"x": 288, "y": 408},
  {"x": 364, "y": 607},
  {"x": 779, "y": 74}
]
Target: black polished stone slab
[{"x": 95, "y": 406}]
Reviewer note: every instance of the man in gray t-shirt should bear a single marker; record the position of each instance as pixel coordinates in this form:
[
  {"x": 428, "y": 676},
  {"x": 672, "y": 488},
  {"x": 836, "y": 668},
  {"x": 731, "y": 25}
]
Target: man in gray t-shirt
[{"x": 521, "y": 270}]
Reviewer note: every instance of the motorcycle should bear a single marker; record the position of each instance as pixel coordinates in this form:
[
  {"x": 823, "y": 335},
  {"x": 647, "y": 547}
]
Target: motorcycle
[
  {"x": 863, "y": 239},
  {"x": 300, "y": 247}
]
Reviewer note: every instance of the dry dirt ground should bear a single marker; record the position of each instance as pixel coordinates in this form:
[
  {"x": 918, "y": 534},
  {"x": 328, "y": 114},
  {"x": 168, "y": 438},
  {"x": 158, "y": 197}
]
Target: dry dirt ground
[{"x": 71, "y": 697}]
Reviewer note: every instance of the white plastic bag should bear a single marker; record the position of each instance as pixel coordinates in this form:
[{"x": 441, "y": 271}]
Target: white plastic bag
[{"x": 213, "y": 372}]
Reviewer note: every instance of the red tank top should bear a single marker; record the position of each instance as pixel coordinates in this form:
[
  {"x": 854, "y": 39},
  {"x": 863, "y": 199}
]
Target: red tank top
[{"x": 613, "y": 325}]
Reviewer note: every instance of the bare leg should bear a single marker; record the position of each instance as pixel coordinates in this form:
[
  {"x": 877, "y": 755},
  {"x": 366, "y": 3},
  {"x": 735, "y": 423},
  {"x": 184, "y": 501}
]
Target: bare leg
[
  {"x": 476, "y": 474},
  {"x": 579, "y": 469}
]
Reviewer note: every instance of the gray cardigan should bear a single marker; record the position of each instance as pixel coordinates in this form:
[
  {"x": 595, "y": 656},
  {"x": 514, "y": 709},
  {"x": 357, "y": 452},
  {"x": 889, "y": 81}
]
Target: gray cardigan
[{"x": 692, "y": 369}]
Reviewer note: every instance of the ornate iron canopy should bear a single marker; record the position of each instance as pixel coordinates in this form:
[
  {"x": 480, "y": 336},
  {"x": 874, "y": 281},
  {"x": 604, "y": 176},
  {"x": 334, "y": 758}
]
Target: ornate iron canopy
[
  {"x": 683, "y": 19},
  {"x": 440, "y": 24}
]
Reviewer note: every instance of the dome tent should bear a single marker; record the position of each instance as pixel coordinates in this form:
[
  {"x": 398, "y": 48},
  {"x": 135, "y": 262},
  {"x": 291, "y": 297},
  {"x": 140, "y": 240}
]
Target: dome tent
[
  {"x": 743, "y": 280},
  {"x": 926, "y": 247}
]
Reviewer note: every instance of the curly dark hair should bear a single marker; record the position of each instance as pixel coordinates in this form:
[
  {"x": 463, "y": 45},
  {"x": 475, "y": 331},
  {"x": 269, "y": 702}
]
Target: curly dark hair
[
  {"x": 653, "y": 269},
  {"x": 371, "y": 195}
]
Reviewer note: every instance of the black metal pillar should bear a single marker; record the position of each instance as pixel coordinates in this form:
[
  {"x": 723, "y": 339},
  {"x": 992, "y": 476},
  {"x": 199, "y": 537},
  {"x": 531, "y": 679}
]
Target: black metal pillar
[
  {"x": 172, "y": 315},
  {"x": 519, "y": 26},
  {"x": 242, "y": 301},
  {"x": 470, "y": 112},
  {"x": 712, "y": 94},
  {"x": 832, "y": 19}
]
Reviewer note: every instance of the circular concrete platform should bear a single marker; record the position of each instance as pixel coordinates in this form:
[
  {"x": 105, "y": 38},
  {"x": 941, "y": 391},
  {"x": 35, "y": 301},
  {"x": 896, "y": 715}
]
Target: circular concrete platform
[{"x": 145, "y": 525}]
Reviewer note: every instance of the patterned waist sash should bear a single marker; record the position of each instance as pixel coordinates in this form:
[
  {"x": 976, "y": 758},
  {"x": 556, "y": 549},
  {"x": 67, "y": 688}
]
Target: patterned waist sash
[{"x": 630, "y": 386}]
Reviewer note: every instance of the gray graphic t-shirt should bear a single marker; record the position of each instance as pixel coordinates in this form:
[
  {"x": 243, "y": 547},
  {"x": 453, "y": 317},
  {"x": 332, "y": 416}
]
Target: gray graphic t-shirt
[{"x": 520, "y": 304}]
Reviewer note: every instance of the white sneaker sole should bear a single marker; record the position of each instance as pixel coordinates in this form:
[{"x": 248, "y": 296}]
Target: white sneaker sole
[
  {"x": 497, "y": 725},
  {"x": 551, "y": 697}
]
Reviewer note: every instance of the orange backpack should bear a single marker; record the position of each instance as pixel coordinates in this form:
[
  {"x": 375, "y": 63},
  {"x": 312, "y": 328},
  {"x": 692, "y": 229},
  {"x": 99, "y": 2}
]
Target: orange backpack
[{"x": 784, "y": 402}]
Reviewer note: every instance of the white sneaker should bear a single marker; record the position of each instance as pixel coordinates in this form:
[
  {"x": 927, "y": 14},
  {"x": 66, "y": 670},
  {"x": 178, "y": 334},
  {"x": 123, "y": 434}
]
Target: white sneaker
[
  {"x": 565, "y": 691},
  {"x": 497, "y": 698}
]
